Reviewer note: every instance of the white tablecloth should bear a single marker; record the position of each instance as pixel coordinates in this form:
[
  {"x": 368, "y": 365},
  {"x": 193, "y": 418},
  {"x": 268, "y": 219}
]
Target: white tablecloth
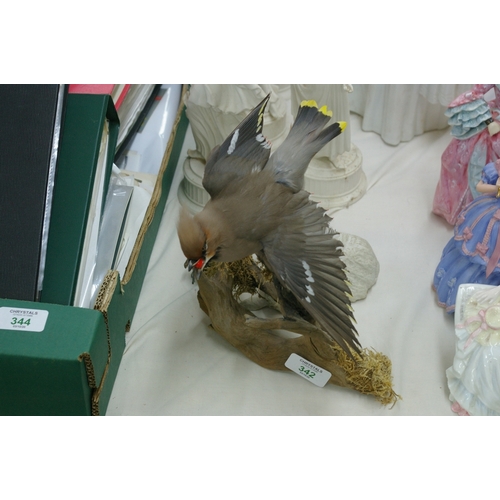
[{"x": 174, "y": 364}]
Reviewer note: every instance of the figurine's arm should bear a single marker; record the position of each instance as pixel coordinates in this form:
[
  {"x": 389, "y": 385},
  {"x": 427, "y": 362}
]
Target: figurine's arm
[{"x": 484, "y": 188}]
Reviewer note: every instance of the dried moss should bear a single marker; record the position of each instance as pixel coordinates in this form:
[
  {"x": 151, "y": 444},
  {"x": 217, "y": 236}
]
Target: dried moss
[
  {"x": 247, "y": 274},
  {"x": 369, "y": 374}
]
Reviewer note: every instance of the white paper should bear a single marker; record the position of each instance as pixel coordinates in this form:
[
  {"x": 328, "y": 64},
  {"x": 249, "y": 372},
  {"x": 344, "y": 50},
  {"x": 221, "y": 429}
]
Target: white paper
[
  {"x": 308, "y": 370},
  {"x": 145, "y": 151},
  {"x": 89, "y": 252},
  {"x": 18, "y": 318}
]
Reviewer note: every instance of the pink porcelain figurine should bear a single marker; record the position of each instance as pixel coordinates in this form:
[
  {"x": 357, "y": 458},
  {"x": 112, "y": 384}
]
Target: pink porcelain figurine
[{"x": 476, "y": 142}]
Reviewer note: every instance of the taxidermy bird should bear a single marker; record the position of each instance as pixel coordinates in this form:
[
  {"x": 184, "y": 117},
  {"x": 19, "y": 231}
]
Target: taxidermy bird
[{"x": 258, "y": 206}]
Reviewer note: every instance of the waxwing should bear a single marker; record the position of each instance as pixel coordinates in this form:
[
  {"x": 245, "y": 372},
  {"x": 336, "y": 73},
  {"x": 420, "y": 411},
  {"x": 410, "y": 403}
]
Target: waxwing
[{"x": 258, "y": 206}]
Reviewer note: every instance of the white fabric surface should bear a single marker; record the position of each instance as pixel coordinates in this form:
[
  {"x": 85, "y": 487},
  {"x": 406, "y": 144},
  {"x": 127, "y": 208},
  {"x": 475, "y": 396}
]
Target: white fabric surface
[{"x": 174, "y": 364}]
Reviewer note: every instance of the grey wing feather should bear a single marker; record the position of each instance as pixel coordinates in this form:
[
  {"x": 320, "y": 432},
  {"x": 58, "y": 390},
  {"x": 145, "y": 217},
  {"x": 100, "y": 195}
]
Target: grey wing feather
[
  {"x": 220, "y": 172},
  {"x": 244, "y": 150},
  {"x": 305, "y": 258}
]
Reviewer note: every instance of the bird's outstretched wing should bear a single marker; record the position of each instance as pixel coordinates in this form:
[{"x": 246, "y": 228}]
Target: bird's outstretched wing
[
  {"x": 305, "y": 258},
  {"x": 307, "y": 136},
  {"x": 245, "y": 150}
]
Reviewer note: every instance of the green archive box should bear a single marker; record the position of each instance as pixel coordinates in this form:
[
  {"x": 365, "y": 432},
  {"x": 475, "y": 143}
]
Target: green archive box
[
  {"x": 88, "y": 141},
  {"x": 52, "y": 358},
  {"x": 61, "y": 360}
]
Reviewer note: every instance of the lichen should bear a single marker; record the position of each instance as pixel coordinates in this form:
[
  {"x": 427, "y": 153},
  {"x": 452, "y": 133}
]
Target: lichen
[{"x": 247, "y": 275}]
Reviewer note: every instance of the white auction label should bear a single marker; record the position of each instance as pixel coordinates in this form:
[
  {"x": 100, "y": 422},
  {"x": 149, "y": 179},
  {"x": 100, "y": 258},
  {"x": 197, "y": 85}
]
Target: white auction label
[
  {"x": 18, "y": 318},
  {"x": 308, "y": 370}
]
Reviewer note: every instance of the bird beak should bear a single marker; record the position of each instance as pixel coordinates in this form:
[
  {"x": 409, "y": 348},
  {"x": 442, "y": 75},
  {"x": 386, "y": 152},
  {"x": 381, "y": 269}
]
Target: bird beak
[{"x": 195, "y": 267}]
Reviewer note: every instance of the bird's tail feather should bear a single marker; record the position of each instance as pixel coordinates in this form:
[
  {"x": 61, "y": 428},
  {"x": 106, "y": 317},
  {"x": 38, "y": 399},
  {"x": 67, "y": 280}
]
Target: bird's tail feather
[
  {"x": 308, "y": 129},
  {"x": 307, "y": 136}
]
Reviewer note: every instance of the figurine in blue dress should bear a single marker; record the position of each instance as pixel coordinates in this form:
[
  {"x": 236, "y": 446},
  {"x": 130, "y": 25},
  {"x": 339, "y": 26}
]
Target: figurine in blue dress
[{"x": 473, "y": 254}]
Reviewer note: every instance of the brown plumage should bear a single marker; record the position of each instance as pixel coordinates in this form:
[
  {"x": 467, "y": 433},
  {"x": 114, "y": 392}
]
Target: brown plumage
[{"x": 258, "y": 206}]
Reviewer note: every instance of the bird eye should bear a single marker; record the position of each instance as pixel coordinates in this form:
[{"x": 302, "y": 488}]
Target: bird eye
[{"x": 217, "y": 251}]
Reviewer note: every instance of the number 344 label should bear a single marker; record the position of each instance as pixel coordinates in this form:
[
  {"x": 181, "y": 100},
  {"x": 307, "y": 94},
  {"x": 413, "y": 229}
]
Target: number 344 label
[
  {"x": 308, "y": 370},
  {"x": 28, "y": 320}
]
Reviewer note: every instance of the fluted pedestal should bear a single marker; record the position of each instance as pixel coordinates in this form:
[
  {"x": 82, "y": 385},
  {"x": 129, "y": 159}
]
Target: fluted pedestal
[
  {"x": 191, "y": 193},
  {"x": 339, "y": 184}
]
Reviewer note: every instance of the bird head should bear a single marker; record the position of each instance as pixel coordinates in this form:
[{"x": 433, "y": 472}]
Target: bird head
[{"x": 195, "y": 242}]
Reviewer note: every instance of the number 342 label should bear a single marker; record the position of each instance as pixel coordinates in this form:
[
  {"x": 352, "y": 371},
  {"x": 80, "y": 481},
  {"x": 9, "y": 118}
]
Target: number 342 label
[
  {"x": 308, "y": 370},
  {"x": 28, "y": 320}
]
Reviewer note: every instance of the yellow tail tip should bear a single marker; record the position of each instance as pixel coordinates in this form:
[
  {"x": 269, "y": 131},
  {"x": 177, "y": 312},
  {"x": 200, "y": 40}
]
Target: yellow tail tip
[
  {"x": 342, "y": 125},
  {"x": 324, "y": 109},
  {"x": 310, "y": 104}
]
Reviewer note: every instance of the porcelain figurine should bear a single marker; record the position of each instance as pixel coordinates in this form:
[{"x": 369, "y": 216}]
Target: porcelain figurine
[
  {"x": 472, "y": 255},
  {"x": 474, "y": 377},
  {"x": 476, "y": 142},
  {"x": 402, "y": 111}
]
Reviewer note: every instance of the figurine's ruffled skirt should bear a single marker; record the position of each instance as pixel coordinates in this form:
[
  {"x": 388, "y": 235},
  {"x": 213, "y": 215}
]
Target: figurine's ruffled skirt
[{"x": 473, "y": 254}]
